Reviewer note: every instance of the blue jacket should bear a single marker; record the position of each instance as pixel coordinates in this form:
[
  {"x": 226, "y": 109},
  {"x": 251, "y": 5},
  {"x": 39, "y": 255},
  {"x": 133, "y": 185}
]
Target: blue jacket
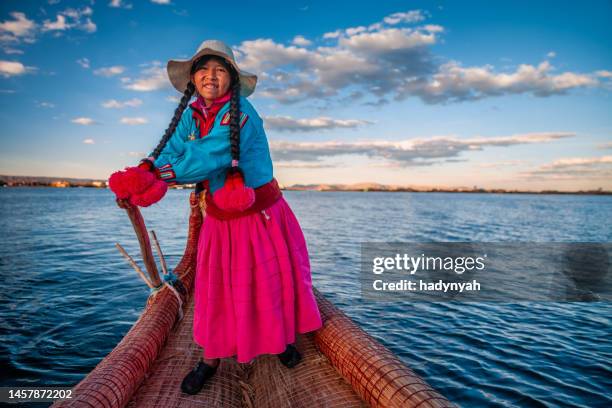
[{"x": 187, "y": 158}]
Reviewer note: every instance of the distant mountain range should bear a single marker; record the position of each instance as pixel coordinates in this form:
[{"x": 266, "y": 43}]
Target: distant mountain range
[{"x": 17, "y": 181}]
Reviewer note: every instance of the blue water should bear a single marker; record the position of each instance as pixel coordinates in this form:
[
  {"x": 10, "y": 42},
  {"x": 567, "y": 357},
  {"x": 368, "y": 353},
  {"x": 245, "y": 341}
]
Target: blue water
[{"x": 68, "y": 297}]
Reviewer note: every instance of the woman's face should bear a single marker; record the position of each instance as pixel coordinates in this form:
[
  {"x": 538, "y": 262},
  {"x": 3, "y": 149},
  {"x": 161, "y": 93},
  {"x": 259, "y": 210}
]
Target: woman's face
[{"x": 212, "y": 80}]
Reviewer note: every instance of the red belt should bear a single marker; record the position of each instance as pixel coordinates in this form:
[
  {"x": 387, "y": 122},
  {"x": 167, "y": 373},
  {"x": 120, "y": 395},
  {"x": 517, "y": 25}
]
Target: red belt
[{"x": 265, "y": 196}]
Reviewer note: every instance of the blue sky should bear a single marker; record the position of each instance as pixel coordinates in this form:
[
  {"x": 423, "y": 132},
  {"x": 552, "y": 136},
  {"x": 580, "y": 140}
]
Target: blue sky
[{"x": 420, "y": 93}]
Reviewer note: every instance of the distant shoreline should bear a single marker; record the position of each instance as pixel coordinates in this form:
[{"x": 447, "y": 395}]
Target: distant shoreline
[{"x": 62, "y": 182}]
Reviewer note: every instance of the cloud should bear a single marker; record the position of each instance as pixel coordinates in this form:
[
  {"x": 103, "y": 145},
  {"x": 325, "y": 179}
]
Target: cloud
[
  {"x": 501, "y": 164},
  {"x": 453, "y": 83},
  {"x": 83, "y": 121},
  {"x": 411, "y": 152},
  {"x": 605, "y": 145},
  {"x": 302, "y": 165},
  {"x": 119, "y": 4},
  {"x": 59, "y": 24},
  {"x": 392, "y": 59},
  {"x": 19, "y": 29},
  {"x": 152, "y": 79},
  {"x": 11, "y": 51},
  {"x": 72, "y": 19},
  {"x": 287, "y": 123},
  {"x": 89, "y": 141},
  {"x": 45, "y": 104},
  {"x": 110, "y": 71},
  {"x": 301, "y": 41},
  {"x": 114, "y": 104},
  {"x": 160, "y": 1},
  {"x": 574, "y": 168},
  {"x": 134, "y": 121},
  {"x": 12, "y": 68},
  {"x": 83, "y": 62},
  {"x": 413, "y": 16}
]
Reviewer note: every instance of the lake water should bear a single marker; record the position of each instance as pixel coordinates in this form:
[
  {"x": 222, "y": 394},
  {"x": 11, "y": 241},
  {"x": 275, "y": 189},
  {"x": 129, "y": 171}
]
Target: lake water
[{"x": 68, "y": 297}]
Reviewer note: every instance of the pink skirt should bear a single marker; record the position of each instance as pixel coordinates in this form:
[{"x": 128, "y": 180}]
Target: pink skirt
[{"x": 253, "y": 289}]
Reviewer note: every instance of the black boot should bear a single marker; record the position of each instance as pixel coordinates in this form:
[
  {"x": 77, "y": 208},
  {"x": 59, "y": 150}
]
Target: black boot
[
  {"x": 195, "y": 379},
  {"x": 290, "y": 357}
]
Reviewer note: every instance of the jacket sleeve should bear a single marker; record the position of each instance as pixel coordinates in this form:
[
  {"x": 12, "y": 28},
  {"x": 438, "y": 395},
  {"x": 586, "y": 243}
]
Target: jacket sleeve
[{"x": 183, "y": 161}]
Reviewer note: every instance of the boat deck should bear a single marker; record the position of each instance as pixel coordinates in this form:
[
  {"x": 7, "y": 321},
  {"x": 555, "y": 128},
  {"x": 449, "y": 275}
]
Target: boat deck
[{"x": 264, "y": 383}]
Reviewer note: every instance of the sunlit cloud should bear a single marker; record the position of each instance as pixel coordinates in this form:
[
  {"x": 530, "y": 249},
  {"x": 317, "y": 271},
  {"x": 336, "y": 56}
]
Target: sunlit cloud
[
  {"x": 89, "y": 141},
  {"x": 110, "y": 71},
  {"x": 19, "y": 29},
  {"x": 115, "y": 104},
  {"x": 83, "y": 62},
  {"x": 574, "y": 168},
  {"x": 287, "y": 123},
  {"x": 152, "y": 79},
  {"x": 134, "y": 121},
  {"x": 83, "y": 121},
  {"x": 411, "y": 152},
  {"x": 393, "y": 58},
  {"x": 12, "y": 68},
  {"x": 71, "y": 19},
  {"x": 119, "y": 4}
]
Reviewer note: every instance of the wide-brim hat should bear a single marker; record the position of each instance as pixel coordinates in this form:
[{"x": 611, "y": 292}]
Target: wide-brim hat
[{"x": 179, "y": 71}]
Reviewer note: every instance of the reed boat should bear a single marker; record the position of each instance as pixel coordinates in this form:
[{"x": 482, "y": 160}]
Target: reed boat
[{"x": 342, "y": 365}]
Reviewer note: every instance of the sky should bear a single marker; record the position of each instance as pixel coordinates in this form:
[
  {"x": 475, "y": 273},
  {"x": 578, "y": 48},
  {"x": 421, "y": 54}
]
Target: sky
[{"x": 511, "y": 95}]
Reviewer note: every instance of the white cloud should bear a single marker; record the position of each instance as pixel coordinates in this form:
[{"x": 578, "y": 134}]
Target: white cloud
[
  {"x": 134, "y": 121},
  {"x": 11, "y": 51},
  {"x": 301, "y": 41},
  {"x": 11, "y": 68},
  {"x": 574, "y": 168},
  {"x": 604, "y": 74},
  {"x": 83, "y": 121},
  {"x": 413, "y": 16},
  {"x": 152, "y": 79},
  {"x": 119, "y": 4},
  {"x": 114, "y": 104},
  {"x": 83, "y": 62},
  {"x": 110, "y": 71},
  {"x": 411, "y": 152},
  {"x": 287, "y": 123},
  {"x": 72, "y": 19},
  {"x": 387, "y": 59},
  {"x": 45, "y": 104},
  {"x": 551, "y": 54},
  {"x": 58, "y": 24},
  {"x": 160, "y": 1},
  {"x": 89, "y": 141},
  {"x": 605, "y": 145},
  {"x": 20, "y": 28},
  {"x": 454, "y": 83}
]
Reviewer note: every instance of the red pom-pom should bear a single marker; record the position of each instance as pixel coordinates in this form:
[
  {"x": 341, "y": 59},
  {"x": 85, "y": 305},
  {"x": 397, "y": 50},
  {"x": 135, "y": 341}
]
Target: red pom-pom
[
  {"x": 137, "y": 180},
  {"x": 141, "y": 187},
  {"x": 153, "y": 194},
  {"x": 234, "y": 196},
  {"x": 117, "y": 186}
]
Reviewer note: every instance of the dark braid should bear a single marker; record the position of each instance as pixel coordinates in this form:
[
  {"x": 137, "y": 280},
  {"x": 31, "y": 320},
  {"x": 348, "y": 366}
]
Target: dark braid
[
  {"x": 175, "y": 120},
  {"x": 235, "y": 119}
]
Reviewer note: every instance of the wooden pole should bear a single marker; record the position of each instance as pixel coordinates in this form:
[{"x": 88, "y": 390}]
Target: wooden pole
[
  {"x": 143, "y": 239},
  {"x": 134, "y": 264},
  {"x": 162, "y": 260}
]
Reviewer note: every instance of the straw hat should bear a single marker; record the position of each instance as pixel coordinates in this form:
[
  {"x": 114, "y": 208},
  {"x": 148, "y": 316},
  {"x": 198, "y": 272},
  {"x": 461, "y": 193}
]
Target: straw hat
[{"x": 179, "y": 70}]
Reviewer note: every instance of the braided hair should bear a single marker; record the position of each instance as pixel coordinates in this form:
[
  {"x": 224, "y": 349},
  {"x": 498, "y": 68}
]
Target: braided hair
[
  {"x": 175, "y": 119},
  {"x": 234, "y": 110}
]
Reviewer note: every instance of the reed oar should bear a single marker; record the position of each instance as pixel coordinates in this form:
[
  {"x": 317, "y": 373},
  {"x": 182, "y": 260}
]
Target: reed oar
[{"x": 143, "y": 239}]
